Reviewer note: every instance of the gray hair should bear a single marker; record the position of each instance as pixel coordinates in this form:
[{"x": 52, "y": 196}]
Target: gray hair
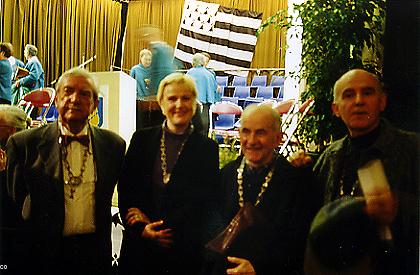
[
  {"x": 76, "y": 71},
  {"x": 32, "y": 50},
  {"x": 198, "y": 59},
  {"x": 13, "y": 116}
]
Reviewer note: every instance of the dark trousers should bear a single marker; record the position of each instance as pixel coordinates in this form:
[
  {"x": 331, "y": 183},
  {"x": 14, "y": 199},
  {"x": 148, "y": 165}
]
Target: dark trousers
[{"x": 205, "y": 118}]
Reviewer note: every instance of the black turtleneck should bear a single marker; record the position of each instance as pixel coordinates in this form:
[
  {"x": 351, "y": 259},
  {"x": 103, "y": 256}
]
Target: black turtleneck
[{"x": 353, "y": 159}]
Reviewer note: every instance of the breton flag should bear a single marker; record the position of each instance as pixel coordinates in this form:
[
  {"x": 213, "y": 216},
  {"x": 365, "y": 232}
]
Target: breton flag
[{"x": 227, "y": 34}]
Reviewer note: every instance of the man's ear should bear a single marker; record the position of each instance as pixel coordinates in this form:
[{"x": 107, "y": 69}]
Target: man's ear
[{"x": 335, "y": 110}]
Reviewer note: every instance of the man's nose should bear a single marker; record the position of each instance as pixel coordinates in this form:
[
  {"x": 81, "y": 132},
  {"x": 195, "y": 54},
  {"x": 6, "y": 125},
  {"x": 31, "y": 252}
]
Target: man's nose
[
  {"x": 74, "y": 96},
  {"x": 178, "y": 103},
  {"x": 359, "y": 98}
]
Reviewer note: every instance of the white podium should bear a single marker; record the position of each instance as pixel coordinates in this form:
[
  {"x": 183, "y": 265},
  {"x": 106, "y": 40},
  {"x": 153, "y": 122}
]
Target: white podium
[{"x": 117, "y": 103}]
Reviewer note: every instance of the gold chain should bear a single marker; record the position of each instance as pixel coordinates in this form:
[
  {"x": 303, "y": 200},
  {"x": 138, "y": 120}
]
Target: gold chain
[
  {"x": 264, "y": 186},
  {"x": 73, "y": 180},
  {"x": 353, "y": 188},
  {"x": 166, "y": 176}
]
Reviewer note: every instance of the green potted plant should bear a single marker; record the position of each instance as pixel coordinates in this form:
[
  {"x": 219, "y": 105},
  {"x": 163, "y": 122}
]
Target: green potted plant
[{"x": 338, "y": 35}]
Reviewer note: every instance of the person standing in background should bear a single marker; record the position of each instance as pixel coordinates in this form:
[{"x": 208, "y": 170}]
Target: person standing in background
[
  {"x": 141, "y": 73},
  {"x": 5, "y": 74},
  {"x": 14, "y": 62},
  {"x": 206, "y": 86},
  {"x": 34, "y": 80},
  {"x": 218, "y": 95}
]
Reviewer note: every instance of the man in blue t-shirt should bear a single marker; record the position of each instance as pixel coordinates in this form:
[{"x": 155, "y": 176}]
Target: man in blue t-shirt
[{"x": 5, "y": 74}]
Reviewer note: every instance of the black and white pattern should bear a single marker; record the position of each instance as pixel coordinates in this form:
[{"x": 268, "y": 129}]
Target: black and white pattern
[{"x": 227, "y": 34}]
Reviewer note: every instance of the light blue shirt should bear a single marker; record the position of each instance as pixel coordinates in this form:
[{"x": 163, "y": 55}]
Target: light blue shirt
[{"x": 206, "y": 84}]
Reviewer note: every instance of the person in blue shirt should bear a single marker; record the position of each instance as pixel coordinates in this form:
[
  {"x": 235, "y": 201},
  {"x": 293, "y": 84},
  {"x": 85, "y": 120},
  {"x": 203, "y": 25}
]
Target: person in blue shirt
[
  {"x": 206, "y": 86},
  {"x": 218, "y": 93},
  {"x": 5, "y": 74},
  {"x": 34, "y": 80},
  {"x": 14, "y": 62},
  {"x": 141, "y": 73}
]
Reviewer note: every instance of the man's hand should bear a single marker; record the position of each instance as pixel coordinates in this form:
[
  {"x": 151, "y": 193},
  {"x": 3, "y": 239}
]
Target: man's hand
[
  {"x": 162, "y": 237},
  {"x": 134, "y": 215},
  {"x": 300, "y": 159},
  {"x": 382, "y": 207},
  {"x": 243, "y": 266}
]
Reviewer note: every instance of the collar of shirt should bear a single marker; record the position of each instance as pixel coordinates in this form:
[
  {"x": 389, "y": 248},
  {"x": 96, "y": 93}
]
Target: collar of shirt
[
  {"x": 65, "y": 131},
  {"x": 85, "y": 131}
]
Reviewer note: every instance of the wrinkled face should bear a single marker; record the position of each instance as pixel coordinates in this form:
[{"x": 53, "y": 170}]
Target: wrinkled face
[
  {"x": 258, "y": 138},
  {"x": 177, "y": 105},
  {"x": 75, "y": 100},
  {"x": 146, "y": 60},
  {"x": 359, "y": 102}
]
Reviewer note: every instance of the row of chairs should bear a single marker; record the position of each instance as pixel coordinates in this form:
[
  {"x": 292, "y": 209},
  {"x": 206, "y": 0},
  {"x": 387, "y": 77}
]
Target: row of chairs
[
  {"x": 257, "y": 81},
  {"x": 225, "y": 121}
]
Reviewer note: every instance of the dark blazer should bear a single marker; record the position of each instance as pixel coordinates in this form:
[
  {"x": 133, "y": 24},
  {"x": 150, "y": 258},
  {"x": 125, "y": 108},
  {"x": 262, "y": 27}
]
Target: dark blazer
[
  {"x": 288, "y": 206},
  {"x": 34, "y": 168},
  {"x": 185, "y": 205}
]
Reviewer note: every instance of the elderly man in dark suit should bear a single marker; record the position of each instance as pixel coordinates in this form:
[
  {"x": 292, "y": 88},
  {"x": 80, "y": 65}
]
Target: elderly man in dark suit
[{"x": 62, "y": 177}]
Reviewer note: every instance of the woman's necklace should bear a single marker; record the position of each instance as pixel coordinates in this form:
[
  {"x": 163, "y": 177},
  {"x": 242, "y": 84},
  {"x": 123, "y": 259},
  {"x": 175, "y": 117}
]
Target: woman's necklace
[
  {"x": 166, "y": 176},
  {"x": 263, "y": 186},
  {"x": 73, "y": 180}
]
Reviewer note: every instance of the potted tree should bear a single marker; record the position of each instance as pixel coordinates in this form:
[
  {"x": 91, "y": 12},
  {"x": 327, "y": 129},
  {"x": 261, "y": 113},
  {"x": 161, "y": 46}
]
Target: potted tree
[{"x": 338, "y": 35}]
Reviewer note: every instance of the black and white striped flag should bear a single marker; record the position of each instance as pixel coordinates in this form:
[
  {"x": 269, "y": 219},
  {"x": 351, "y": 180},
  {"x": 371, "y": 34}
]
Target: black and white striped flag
[{"x": 227, "y": 34}]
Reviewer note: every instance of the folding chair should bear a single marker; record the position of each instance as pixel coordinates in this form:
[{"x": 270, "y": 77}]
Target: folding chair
[
  {"x": 222, "y": 82},
  {"x": 222, "y": 116},
  {"x": 277, "y": 80},
  {"x": 40, "y": 98},
  {"x": 259, "y": 81},
  {"x": 265, "y": 92},
  {"x": 294, "y": 120},
  {"x": 242, "y": 93},
  {"x": 239, "y": 81}
]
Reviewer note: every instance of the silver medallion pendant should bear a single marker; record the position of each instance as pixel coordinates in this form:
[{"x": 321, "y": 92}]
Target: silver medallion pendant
[
  {"x": 166, "y": 178},
  {"x": 74, "y": 181}
]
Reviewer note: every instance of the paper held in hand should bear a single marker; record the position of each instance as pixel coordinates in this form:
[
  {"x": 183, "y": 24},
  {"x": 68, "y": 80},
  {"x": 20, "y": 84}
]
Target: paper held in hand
[{"x": 374, "y": 182}]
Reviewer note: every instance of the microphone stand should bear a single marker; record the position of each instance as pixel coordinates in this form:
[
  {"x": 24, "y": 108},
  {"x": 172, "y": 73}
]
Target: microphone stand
[{"x": 82, "y": 65}]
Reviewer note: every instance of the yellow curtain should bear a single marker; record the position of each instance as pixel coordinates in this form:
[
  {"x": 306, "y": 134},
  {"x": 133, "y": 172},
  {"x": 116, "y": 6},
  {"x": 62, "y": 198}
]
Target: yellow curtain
[
  {"x": 167, "y": 15},
  {"x": 64, "y": 31}
]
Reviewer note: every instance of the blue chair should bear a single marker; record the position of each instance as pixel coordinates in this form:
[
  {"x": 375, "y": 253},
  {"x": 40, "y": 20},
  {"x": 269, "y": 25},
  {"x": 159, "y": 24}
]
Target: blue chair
[
  {"x": 259, "y": 81},
  {"x": 222, "y": 80},
  {"x": 239, "y": 81},
  {"x": 224, "y": 122},
  {"x": 265, "y": 92},
  {"x": 222, "y": 116},
  {"x": 242, "y": 92},
  {"x": 277, "y": 80}
]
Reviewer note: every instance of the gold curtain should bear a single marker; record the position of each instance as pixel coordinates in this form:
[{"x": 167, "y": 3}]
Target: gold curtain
[
  {"x": 64, "y": 31},
  {"x": 167, "y": 14}
]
